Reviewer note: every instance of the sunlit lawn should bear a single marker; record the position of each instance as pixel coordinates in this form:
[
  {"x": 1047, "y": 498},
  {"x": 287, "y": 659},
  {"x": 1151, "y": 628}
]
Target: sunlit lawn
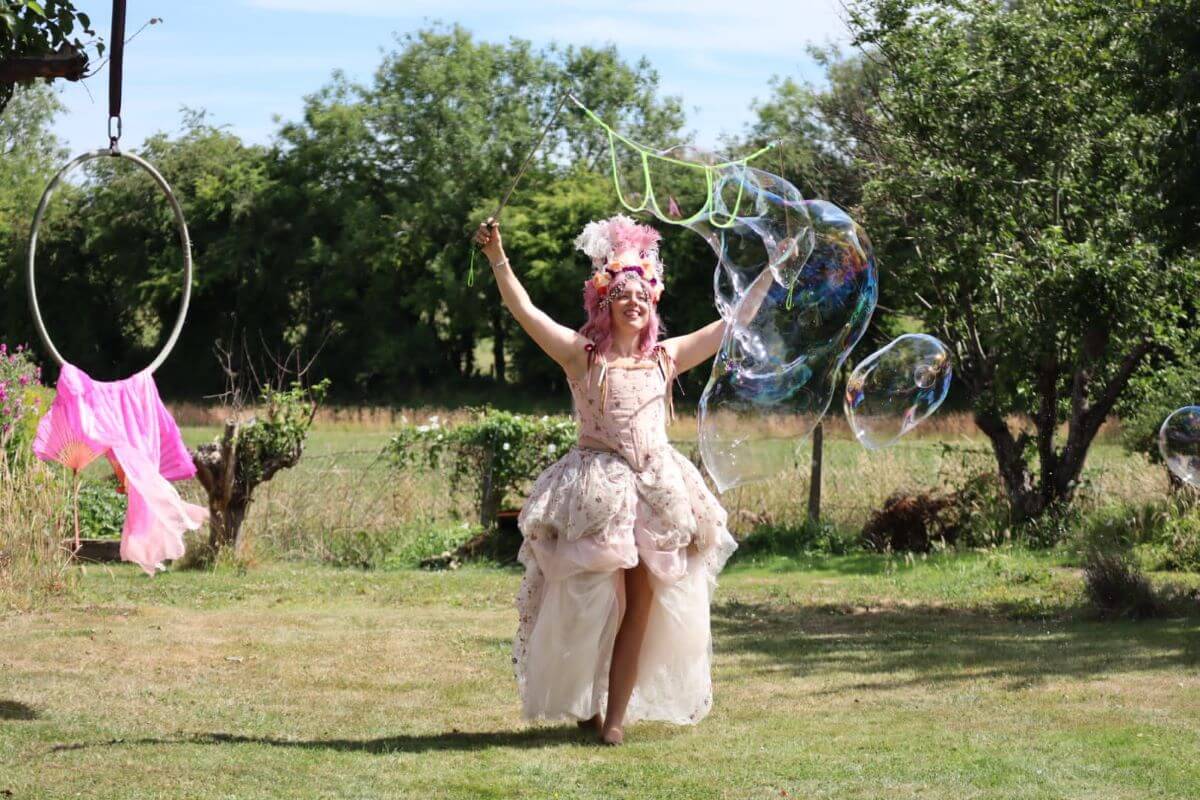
[{"x": 955, "y": 677}]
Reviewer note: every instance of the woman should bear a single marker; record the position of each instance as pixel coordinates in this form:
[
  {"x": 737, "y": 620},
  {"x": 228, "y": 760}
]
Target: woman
[{"x": 622, "y": 539}]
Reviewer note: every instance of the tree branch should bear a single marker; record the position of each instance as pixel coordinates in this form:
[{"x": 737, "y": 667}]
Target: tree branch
[
  {"x": 67, "y": 63},
  {"x": 1096, "y": 415},
  {"x": 1086, "y": 421}
]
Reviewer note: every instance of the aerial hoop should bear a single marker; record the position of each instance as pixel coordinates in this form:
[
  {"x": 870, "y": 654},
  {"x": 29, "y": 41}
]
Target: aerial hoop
[{"x": 184, "y": 243}]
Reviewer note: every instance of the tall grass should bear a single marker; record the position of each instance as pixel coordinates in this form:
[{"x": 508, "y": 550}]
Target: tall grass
[
  {"x": 948, "y": 426},
  {"x": 343, "y": 487},
  {"x": 34, "y": 520}
]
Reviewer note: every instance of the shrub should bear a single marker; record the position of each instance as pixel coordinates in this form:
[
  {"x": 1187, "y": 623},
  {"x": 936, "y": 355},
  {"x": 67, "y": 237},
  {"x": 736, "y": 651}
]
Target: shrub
[
  {"x": 403, "y": 548},
  {"x": 1149, "y": 401},
  {"x": 1055, "y": 525},
  {"x": 1115, "y": 587},
  {"x": 810, "y": 536},
  {"x": 101, "y": 510},
  {"x": 980, "y": 509},
  {"x": 250, "y": 453},
  {"x": 22, "y": 401},
  {"x": 1164, "y": 534},
  {"x": 495, "y": 455},
  {"x": 1182, "y": 539},
  {"x": 911, "y": 523}
]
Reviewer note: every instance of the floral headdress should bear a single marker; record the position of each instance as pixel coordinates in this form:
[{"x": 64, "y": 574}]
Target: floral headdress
[{"x": 618, "y": 247}]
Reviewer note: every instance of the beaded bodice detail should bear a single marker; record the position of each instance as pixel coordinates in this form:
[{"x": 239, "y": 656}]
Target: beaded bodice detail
[{"x": 625, "y": 409}]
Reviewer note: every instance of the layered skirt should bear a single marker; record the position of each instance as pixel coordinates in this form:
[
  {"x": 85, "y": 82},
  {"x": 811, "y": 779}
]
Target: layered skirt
[{"x": 589, "y": 517}]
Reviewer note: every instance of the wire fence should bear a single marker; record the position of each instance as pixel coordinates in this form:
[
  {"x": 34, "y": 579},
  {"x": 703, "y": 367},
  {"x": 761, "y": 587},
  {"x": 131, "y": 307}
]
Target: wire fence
[{"x": 346, "y": 485}]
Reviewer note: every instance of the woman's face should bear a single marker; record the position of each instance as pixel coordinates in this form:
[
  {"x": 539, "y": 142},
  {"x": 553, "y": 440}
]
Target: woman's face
[{"x": 631, "y": 306}]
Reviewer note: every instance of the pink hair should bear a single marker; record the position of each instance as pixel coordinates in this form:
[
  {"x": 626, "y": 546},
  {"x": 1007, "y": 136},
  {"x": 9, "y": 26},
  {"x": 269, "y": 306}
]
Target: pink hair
[{"x": 598, "y": 328}]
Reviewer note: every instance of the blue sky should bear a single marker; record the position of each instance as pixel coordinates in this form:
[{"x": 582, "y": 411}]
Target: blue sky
[{"x": 247, "y": 61}]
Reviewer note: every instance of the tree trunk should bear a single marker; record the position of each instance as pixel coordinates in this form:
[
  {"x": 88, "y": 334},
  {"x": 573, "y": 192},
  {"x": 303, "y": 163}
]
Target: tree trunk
[
  {"x": 216, "y": 469},
  {"x": 489, "y": 498},
  {"x": 1024, "y": 499},
  {"x": 1045, "y": 423},
  {"x": 498, "y": 342},
  {"x": 468, "y": 365},
  {"x": 1060, "y": 469},
  {"x": 814, "y": 480}
]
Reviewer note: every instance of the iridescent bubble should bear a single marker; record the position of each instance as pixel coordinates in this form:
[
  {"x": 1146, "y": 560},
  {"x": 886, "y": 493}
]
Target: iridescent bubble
[
  {"x": 892, "y": 390},
  {"x": 1179, "y": 443},
  {"x": 795, "y": 280},
  {"x": 776, "y": 372}
]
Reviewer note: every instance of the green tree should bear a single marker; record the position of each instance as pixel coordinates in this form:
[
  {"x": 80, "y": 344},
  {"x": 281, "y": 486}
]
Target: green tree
[
  {"x": 410, "y": 160},
  {"x": 539, "y": 232},
  {"x": 110, "y": 265},
  {"x": 1012, "y": 194},
  {"x": 1166, "y": 80},
  {"x": 29, "y": 155},
  {"x": 814, "y": 129}
]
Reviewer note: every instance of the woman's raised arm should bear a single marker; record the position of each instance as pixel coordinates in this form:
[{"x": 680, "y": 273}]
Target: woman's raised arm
[
  {"x": 559, "y": 342},
  {"x": 692, "y": 349}
]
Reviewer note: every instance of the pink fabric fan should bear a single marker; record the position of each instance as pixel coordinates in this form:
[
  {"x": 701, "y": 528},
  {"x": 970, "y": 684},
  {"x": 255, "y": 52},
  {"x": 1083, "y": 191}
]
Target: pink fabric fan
[{"x": 127, "y": 422}]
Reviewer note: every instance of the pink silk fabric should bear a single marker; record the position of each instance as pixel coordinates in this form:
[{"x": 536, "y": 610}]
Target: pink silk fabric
[{"x": 127, "y": 421}]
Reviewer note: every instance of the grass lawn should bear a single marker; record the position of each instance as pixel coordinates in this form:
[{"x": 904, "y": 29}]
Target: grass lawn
[{"x": 960, "y": 676}]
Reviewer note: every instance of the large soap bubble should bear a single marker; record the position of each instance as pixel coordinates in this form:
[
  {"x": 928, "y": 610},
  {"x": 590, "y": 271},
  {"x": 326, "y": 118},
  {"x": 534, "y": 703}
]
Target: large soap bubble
[
  {"x": 795, "y": 279},
  {"x": 892, "y": 390},
  {"x": 776, "y": 372},
  {"x": 1179, "y": 443}
]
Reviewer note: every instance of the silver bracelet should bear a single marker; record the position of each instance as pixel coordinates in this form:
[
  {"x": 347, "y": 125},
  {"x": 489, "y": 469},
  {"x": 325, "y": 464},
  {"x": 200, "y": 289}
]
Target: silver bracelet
[{"x": 500, "y": 263}]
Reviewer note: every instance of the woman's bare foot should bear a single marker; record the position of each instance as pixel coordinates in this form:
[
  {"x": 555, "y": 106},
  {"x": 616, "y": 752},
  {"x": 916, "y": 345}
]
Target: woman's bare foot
[
  {"x": 594, "y": 724},
  {"x": 612, "y": 736}
]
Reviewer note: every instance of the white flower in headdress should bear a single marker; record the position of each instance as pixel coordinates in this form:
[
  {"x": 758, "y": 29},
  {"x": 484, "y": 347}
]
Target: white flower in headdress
[{"x": 595, "y": 241}]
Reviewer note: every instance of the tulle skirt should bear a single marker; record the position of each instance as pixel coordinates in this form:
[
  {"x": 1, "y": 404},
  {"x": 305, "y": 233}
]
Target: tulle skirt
[{"x": 590, "y": 516}]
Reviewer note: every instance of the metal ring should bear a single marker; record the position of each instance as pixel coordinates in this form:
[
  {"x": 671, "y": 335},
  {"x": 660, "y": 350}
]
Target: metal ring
[{"x": 184, "y": 242}]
